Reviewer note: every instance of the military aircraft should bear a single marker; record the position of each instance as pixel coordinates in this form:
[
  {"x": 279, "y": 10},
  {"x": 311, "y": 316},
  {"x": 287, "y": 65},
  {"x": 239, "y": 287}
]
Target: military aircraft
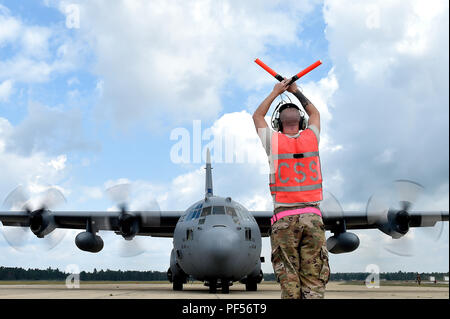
[{"x": 217, "y": 240}]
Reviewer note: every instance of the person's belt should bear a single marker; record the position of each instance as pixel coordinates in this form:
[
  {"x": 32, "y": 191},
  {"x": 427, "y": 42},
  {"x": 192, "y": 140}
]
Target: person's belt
[{"x": 299, "y": 211}]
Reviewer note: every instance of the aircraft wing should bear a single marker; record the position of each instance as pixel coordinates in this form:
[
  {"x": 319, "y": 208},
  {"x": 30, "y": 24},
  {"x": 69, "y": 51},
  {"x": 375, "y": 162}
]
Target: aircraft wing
[
  {"x": 152, "y": 223},
  {"x": 358, "y": 220}
]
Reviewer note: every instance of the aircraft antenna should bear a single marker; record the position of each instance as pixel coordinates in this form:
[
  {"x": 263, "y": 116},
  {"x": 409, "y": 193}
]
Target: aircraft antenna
[{"x": 208, "y": 181}]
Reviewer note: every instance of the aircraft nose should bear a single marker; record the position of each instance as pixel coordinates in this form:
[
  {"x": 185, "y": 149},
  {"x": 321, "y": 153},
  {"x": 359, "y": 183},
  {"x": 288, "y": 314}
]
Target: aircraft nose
[{"x": 220, "y": 245}]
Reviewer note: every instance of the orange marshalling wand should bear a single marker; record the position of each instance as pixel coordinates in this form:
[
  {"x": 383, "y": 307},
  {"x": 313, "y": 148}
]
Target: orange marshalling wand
[{"x": 295, "y": 77}]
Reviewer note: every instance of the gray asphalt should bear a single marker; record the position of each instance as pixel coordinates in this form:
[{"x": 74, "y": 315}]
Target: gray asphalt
[{"x": 198, "y": 291}]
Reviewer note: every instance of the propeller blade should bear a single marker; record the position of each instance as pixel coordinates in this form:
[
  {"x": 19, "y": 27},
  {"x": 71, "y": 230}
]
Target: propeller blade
[
  {"x": 330, "y": 207},
  {"x": 432, "y": 233},
  {"x": 378, "y": 206},
  {"x": 16, "y": 237},
  {"x": 53, "y": 198},
  {"x": 16, "y": 199},
  {"x": 406, "y": 193},
  {"x": 54, "y": 239},
  {"x": 405, "y": 205},
  {"x": 145, "y": 208},
  {"x": 120, "y": 193},
  {"x": 403, "y": 246},
  {"x": 132, "y": 248},
  {"x": 149, "y": 213},
  {"x": 398, "y": 199},
  {"x": 406, "y": 246},
  {"x": 19, "y": 199}
]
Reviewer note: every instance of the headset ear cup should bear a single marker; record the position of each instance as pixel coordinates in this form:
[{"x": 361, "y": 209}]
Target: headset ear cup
[{"x": 275, "y": 124}]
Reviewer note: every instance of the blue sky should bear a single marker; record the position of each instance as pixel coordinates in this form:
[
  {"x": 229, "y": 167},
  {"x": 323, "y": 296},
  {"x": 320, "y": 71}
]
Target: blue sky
[{"x": 84, "y": 107}]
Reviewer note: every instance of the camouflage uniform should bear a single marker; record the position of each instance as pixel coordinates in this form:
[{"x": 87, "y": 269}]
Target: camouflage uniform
[{"x": 299, "y": 255}]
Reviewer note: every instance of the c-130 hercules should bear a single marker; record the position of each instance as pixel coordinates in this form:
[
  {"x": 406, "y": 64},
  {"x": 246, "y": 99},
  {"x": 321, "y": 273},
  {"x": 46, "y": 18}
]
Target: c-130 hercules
[{"x": 217, "y": 240}]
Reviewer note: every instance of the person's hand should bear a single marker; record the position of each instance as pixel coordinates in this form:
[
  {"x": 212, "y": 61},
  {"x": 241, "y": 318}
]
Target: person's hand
[
  {"x": 281, "y": 87},
  {"x": 292, "y": 88}
]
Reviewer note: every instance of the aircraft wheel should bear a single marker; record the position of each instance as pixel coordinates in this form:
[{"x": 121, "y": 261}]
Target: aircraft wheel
[
  {"x": 225, "y": 287},
  {"x": 251, "y": 285},
  {"x": 177, "y": 285},
  {"x": 212, "y": 286}
]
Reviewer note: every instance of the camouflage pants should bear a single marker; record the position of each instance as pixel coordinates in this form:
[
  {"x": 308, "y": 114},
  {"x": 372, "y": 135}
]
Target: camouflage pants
[{"x": 300, "y": 256}]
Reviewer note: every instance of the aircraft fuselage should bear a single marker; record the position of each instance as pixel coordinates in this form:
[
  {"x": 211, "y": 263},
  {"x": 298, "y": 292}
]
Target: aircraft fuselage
[{"x": 217, "y": 238}]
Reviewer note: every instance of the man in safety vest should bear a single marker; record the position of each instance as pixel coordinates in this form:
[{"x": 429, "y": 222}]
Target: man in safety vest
[{"x": 299, "y": 253}]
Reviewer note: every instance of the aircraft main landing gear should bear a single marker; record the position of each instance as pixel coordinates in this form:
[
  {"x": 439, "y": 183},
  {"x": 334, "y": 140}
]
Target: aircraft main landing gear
[
  {"x": 213, "y": 286},
  {"x": 177, "y": 285},
  {"x": 251, "y": 285},
  {"x": 225, "y": 286}
]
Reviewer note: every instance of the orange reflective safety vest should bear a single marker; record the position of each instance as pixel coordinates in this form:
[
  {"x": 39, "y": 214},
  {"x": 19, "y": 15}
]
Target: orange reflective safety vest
[{"x": 297, "y": 177}]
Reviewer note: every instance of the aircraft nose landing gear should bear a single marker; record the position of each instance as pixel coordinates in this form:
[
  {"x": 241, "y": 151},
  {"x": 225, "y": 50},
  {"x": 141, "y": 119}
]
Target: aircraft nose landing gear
[{"x": 224, "y": 284}]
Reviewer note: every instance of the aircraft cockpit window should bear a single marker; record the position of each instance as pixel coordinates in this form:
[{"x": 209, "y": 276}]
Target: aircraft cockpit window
[
  {"x": 206, "y": 211},
  {"x": 242, "y": 212},
  {"x": 193, "y": 212},
  {"x": 219, "y": 210},
  {"x": 230, "y": 211},
  {"x": 190, "y": 215}
]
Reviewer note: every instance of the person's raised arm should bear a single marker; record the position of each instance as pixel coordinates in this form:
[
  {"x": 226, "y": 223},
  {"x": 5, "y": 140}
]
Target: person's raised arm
[
  {"x": 261, "y": 111},
  {"x": 313, "y": 113}
]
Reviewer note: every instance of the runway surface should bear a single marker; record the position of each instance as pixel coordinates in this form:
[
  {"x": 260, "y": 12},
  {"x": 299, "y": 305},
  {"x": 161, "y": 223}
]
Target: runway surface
[{"x": 198, "y": 291}]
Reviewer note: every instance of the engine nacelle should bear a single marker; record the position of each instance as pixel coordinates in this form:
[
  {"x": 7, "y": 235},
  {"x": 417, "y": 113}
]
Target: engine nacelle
[
  {"x": 90, "y": 242},
  {"x": 128, "y": 226},
  {"x": 397, "y": 224},
  {"x": 42, "y": 223},
  {"x": 342, "y": 243}
]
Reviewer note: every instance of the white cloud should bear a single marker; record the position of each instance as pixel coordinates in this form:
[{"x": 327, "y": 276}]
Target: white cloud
[
  {"x": 49, "y": 130},
  {"x": 390, "y": 68},
  {"x": 6, "y": 89},
  {"x": 37, "y": 52},
  {"x": 9, "y": 27},
  {"x": 391, "y": 62},
  {"x": 35, "y": 41},
  {"x": 58, "y": 163},
  {"x": 179, "y": 56},
  {"x": 89, "y": 193},
  {"x": 35, "y": 171},
  {"x": 73, "y": 81},
  {"x": 385, "y": 157}
]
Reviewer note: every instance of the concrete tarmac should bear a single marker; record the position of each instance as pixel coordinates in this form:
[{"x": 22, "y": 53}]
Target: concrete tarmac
[{"x": 267, "y": 290}]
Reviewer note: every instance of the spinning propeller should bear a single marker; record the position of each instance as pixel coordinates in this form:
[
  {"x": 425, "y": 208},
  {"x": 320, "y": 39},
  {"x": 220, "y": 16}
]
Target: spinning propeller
[
  {"x": 40, "y": 222},
  {"x": 390, "y": 210},
  {"x": 331, "y": 209},
  {"x": 130, "y": 222}
]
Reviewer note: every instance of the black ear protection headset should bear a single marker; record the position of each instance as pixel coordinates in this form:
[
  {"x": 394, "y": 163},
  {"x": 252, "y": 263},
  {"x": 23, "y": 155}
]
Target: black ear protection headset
[{"x": 276, "y": 122}]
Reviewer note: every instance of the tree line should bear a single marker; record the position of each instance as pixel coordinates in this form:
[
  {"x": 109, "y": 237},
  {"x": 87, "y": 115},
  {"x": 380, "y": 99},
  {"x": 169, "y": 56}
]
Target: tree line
[{"x": 9, "y": 273}]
